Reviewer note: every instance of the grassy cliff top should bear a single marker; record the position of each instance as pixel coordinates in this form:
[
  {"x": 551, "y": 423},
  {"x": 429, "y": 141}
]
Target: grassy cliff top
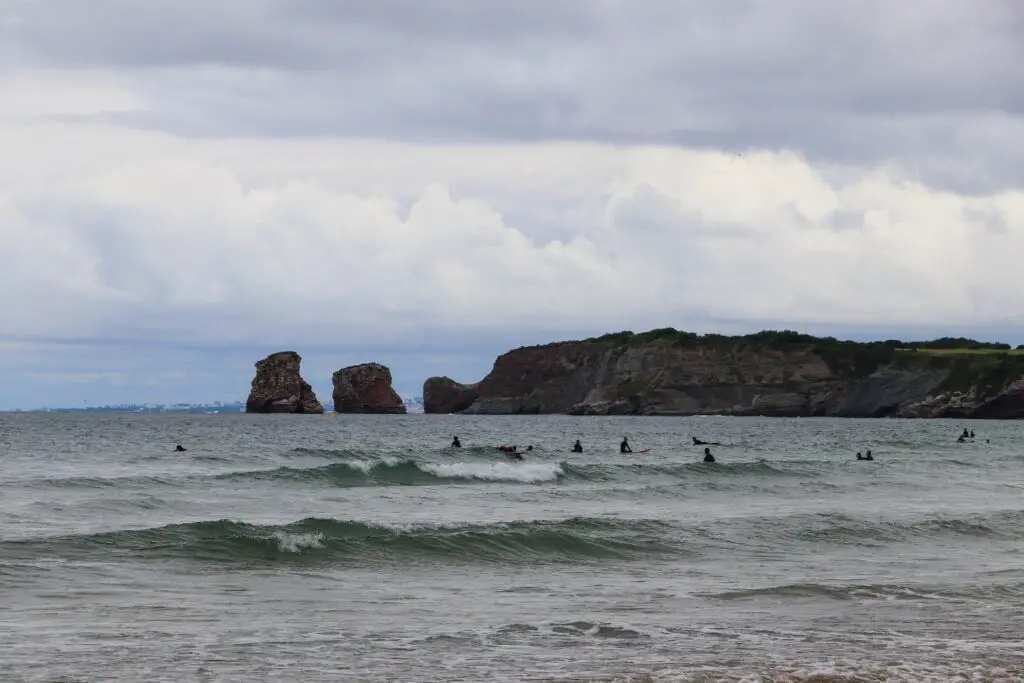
[{"x": 966, "y": 359}]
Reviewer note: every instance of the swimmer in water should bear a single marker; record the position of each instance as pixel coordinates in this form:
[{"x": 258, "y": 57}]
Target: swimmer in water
[{"x": 707, "y": 455}]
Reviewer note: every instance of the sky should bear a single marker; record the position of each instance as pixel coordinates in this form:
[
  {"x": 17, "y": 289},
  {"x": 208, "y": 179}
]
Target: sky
[{"x": 188, "y": 186}]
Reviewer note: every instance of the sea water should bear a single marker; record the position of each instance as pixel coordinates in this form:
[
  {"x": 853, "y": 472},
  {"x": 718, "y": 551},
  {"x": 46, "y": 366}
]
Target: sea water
[{"x": 361, "y": 548}]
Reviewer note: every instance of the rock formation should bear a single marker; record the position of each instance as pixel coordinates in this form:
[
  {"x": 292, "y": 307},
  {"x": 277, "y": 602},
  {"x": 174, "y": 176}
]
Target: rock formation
[
  {"x": 445, "y": 395},
  {"x": 666, "y": 372},
  {"x": 366, "y": 388},
  {"x": 279, "y": 388}
]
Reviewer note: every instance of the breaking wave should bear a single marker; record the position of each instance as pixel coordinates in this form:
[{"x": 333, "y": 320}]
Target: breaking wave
[{"x": 568, "y": 540}]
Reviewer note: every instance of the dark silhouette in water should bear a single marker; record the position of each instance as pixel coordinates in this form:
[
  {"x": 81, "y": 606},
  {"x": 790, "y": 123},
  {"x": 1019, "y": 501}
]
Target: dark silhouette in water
[
  {"x": 698, "y": 442},
  {"x": 512, "y": 452},
  {"x": 859, "y": 456},
  {"x": 961, "y": 439},
  {"x": 624, "y": 446},
  {"x": 972, "y": 433},
  {"x": 456, "y": 443},
  {"x": 867, "y": 456},
  {"x": 707, "y": 455},
  {"x": 577, "y": 447},
  {"x": 179, "y": 448}
]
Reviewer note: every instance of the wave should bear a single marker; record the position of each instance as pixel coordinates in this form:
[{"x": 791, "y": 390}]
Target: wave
[
  {"x": 318, "y": 539},
  {"x": 409, "y": 472},
  {"x": 573, "y": 539},
  {"x": 862, "y": 592},
  {"x": 412, "y": 472}
]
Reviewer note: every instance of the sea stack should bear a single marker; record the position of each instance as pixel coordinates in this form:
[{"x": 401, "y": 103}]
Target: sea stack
[
  {"x": 366, "y": 388},
  {"x": 279, "y": 388},
  {"x": 444, "y": 395}
]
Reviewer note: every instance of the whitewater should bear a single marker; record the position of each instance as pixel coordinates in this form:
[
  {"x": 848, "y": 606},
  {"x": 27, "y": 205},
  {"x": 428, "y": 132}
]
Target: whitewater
[{"x": 362, "y": 548}]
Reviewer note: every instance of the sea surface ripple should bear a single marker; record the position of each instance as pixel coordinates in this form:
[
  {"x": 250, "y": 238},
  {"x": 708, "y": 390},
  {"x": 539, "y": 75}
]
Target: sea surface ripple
[{"x": 362, "y": 548}]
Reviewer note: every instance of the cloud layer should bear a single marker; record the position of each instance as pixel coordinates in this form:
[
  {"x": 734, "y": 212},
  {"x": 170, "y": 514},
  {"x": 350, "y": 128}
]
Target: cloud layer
[{"x": 446, "y": 177}]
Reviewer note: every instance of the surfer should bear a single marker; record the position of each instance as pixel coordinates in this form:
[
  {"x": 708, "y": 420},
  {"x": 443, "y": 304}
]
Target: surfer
[
  {"x": 179, "y": 448},
  {"x": 859, "y": 456},
  {"x": 510, "y": 452},
  {"x": 577, "y": 447},
  {"x": 624, "y": 446},
  {"x": 698, "y": 442},
  {"x": 707, "y": 455},
  {"x": 868, "y": 456},
  {"x": 966, "y": 434},
  {"x": 456, "y": 443}
]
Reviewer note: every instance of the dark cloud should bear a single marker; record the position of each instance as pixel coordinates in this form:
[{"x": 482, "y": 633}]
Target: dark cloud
[{"x": 851, "y": 80}]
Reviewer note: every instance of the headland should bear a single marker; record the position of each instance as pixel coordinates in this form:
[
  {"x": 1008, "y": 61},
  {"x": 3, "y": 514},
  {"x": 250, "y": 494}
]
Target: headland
[{"x": 770, "y": 373}]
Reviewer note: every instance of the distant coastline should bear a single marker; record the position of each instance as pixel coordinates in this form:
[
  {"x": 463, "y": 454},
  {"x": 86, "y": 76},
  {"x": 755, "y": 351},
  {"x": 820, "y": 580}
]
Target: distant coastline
[{"x": 414, "y": 405}]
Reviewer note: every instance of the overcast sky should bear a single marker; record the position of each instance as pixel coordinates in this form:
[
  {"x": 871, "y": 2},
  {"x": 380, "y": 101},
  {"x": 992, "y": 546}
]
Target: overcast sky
[{"x": 187, "y": 186}]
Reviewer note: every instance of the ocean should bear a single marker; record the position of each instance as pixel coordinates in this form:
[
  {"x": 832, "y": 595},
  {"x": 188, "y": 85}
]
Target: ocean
[{"x": 361, "y": 548}]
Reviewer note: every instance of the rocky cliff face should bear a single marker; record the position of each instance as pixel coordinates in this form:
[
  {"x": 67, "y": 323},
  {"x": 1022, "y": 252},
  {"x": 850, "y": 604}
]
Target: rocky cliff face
[
  {"x": 445, "y": 395},
  {"x": 279, "y": 388},
  {"x": 669, "y": 373},
  {"x": 366, "y": 388}
]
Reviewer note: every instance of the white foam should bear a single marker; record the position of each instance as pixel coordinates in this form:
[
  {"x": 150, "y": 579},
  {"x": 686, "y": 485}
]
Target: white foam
[
  {"x": 296, "y": 543},
  {"x": 367, "y": 466},
  {"x": 530, "y": 472}
]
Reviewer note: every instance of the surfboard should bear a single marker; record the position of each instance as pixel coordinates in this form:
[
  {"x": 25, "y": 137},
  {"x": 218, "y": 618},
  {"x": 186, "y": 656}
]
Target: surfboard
[{"x": 646, "y": 450}]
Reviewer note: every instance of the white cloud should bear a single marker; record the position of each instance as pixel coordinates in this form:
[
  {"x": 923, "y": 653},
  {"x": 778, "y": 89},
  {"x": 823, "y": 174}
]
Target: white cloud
[
  {"x": 271, "y": 174},
  {"x": 355, "y": 243}
]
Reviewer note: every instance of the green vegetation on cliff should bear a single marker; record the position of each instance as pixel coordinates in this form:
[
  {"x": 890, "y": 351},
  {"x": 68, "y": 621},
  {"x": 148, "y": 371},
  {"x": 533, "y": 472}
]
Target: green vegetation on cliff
[{"x": 987, "y": 366}]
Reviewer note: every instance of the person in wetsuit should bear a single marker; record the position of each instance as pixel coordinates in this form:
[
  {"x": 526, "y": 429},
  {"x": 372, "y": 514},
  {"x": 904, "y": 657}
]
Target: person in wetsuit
[
  {"x": 456, "y": 443},
  {"x": 179, "y": 448},
  {"x": 707, "y": 455},
  {"x": 867, "y": 456},
  {"x": 859, "y": 456},
  {"x": 577, "y": 447},
  {"x": 624, "y": 446}
]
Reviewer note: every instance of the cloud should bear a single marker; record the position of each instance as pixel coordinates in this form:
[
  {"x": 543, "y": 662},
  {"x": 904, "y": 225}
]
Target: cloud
[
  {"x": 924, "y": 83},
  {"x": 452, "y": 179},
  {"x": 184, "y": 242}
]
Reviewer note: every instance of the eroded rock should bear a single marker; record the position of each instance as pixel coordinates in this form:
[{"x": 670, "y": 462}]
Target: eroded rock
[
  {"x": 366, "y": 388},
  {"x": 279, "y": 388},
  {"x": 444, "y": 395}
]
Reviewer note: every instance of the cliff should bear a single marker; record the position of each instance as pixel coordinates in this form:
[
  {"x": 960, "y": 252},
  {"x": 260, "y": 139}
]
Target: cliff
[
  {"x": 445, "y": 395},
  {"x": 666, "y": 372},
  {"x": 366, "y": 388},
  {"x": 279, "y": 388}
]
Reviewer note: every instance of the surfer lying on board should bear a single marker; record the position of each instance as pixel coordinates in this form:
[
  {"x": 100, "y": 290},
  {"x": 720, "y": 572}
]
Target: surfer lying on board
[
  {"x": 698, "y": 442},
  {"x": 512, "y": 452}
]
